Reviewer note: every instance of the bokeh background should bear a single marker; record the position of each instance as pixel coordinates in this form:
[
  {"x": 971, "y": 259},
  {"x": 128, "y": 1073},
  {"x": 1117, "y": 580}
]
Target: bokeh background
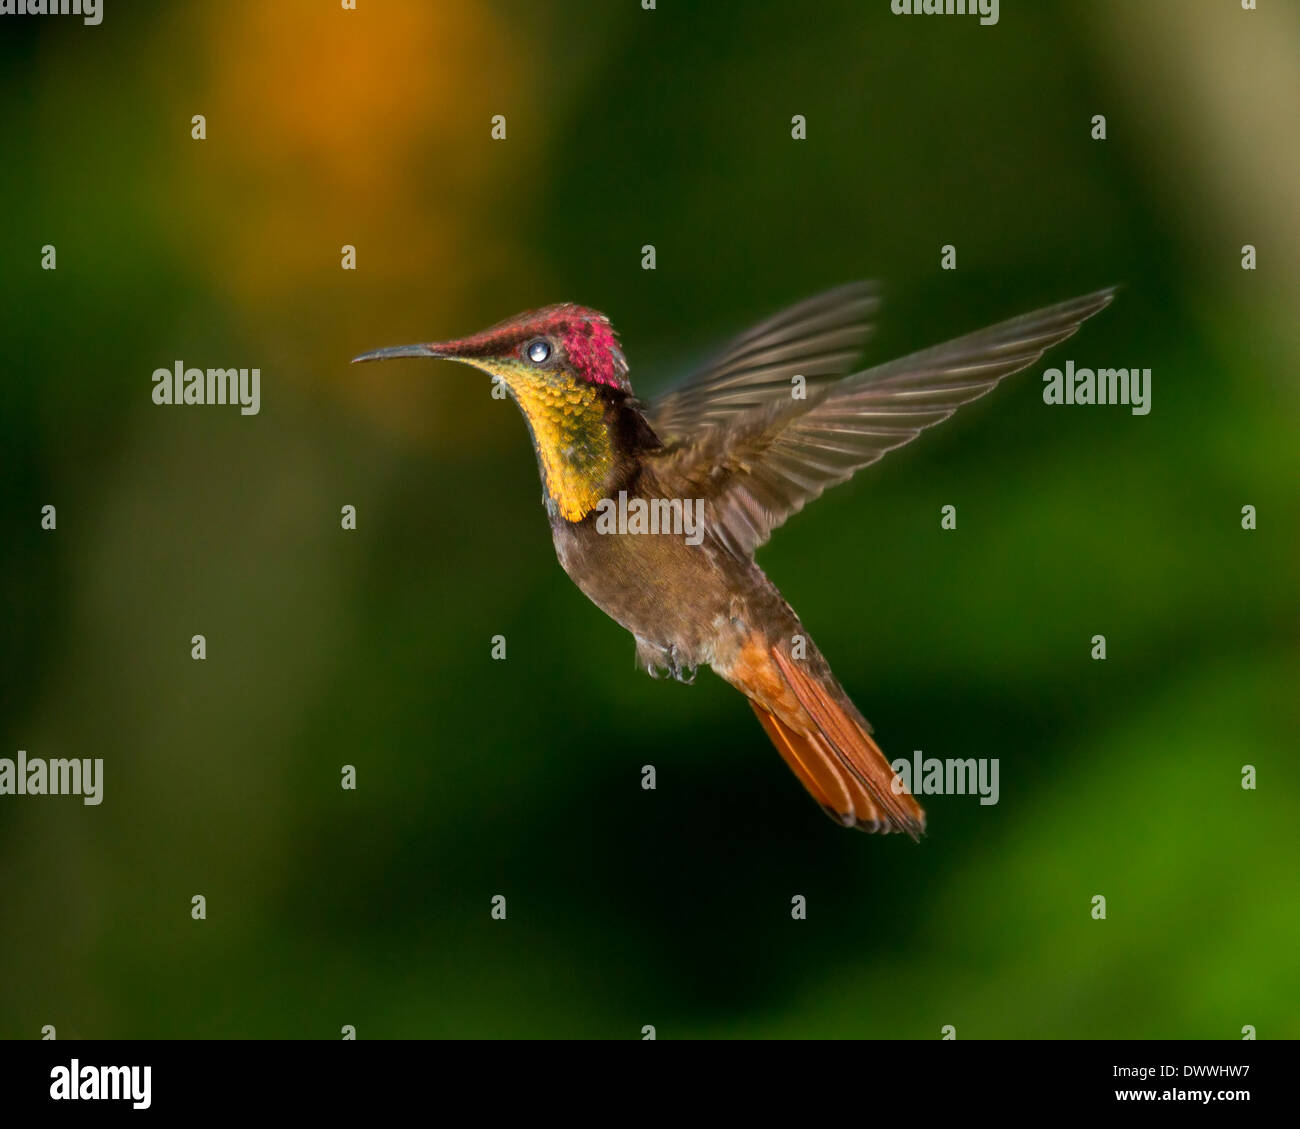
[{"x": 372, "y": 648}]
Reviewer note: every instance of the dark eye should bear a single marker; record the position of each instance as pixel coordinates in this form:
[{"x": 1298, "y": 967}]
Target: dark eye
[{"x": 539, "y": 352}]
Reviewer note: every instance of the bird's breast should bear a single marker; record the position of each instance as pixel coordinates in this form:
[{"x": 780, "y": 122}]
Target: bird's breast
[{"x": 655, "y": 583}]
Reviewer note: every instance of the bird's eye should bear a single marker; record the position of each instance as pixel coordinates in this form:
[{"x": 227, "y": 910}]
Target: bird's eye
[{"x": 539, "y": 352}]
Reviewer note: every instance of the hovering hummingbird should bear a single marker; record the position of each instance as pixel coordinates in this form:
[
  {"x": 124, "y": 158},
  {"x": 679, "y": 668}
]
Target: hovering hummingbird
[{"x": 780, "y": 415}]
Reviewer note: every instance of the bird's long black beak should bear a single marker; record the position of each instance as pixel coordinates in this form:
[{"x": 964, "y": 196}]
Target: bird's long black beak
[{"x": 401, "y": 351}]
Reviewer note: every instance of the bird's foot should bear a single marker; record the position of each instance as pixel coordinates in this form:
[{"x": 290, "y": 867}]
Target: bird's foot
[
  {"x": 659, "y": 662},
  {"x": 683, "y": 672}
]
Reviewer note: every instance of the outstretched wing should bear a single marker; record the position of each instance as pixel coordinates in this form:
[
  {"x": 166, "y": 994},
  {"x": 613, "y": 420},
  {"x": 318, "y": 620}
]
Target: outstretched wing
[
  {"x": 757, "y": 465},
  {"x": 818, "y": 339}
]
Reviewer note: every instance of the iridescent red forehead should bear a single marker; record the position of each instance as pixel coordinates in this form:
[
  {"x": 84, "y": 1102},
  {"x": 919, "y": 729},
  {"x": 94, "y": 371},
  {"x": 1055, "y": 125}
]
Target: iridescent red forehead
[{"x": 588, "y": 340}]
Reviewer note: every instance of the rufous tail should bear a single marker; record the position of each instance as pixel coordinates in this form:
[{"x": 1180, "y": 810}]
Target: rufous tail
[{"x": 827, "y": 746}]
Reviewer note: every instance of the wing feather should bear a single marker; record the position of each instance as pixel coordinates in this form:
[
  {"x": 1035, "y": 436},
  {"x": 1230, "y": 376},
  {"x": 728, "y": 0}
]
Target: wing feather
[
  {"x": 757, "y": 455},
  {"x": 818, "y": 339}
]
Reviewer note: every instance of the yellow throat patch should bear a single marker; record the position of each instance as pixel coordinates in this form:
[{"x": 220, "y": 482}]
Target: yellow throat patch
[{"x": 567, "y": 421}]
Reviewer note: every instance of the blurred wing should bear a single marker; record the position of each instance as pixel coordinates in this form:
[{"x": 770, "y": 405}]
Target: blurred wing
[
  {"x": 818, "y": 339},
  {"x": 776, "y": 457}
]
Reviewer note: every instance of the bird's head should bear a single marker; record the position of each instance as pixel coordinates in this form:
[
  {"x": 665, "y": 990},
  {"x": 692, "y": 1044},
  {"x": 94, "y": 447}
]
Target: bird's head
[
  {"x": 564, "y": 367},
  {"x": 564, "y": 344}
]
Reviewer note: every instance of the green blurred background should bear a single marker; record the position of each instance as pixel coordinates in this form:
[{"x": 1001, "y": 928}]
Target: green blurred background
[{"x": 625, "y": 127}]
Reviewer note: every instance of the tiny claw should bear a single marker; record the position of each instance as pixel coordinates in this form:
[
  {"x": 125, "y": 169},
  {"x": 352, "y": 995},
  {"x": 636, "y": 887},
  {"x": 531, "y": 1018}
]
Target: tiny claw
[{"x": 682, "y": 673}]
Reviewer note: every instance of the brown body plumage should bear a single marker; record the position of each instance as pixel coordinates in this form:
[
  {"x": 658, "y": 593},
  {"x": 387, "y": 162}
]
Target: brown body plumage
[{"x": 771, "y": 423}]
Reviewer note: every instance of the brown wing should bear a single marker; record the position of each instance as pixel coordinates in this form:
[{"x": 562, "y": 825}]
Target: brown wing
[
  {"x": 818, "y": 339},
  {"x": 757, "y": 465}
]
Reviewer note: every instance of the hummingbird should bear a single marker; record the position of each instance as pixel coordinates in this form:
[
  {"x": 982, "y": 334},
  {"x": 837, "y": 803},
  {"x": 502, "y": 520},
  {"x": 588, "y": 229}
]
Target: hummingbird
[{"x": 774, "y": 419}]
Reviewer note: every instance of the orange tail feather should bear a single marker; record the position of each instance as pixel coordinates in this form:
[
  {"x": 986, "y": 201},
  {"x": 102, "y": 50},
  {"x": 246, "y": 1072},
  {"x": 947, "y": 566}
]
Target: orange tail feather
[{"x": 829, "y": 749}]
